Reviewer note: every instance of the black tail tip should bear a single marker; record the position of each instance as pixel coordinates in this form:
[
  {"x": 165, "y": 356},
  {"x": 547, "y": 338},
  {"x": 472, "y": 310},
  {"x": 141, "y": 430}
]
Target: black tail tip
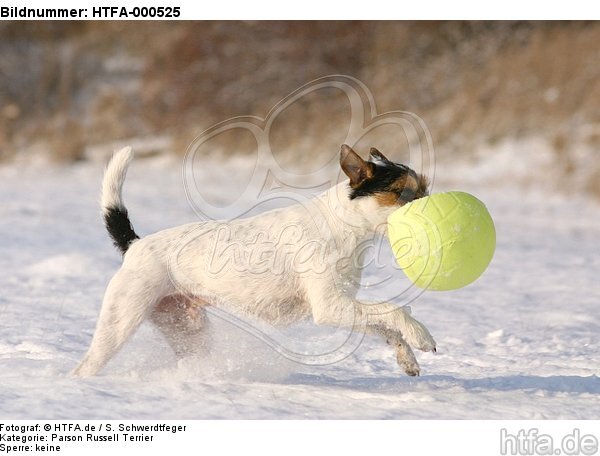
[{"x": 119, "y": 227}]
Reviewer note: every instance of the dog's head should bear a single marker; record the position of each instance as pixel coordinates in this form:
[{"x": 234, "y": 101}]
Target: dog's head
[{"x": 390, "y": 185}]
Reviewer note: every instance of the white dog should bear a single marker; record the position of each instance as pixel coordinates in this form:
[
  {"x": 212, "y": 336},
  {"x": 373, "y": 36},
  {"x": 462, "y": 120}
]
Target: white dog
[{"x": 281, "y": 266}]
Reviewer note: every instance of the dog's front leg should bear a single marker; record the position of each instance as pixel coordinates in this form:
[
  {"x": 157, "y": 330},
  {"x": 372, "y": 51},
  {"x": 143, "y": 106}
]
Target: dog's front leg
[
  {"x": 397, "y": 327},
  {"x": 399, "y": 318},
  {"x": 331, "y": 306}
]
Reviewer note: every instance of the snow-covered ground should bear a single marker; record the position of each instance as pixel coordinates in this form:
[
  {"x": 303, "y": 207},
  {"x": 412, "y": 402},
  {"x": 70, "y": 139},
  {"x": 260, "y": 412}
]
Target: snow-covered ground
[{"x": 522, "y": 342}]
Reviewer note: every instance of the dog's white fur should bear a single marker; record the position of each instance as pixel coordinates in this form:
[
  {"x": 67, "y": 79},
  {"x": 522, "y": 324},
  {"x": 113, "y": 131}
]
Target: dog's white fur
[
  {"x": 306, "y": 265},
  {"x": 114, "y": 176}
]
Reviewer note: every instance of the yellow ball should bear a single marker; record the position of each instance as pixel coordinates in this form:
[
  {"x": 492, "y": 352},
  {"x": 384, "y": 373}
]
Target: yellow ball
[{"x": 444, "y": 241}]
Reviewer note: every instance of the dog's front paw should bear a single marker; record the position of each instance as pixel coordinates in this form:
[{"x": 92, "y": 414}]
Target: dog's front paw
[
  {"x": 424, "y": 343},
  {"x": 406, "y": 359},
  {"x": 417, "y": 335},
  {"x": 410, "y": 368}
]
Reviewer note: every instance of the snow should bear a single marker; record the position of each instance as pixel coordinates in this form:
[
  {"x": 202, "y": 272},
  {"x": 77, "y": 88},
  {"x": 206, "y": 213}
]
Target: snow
[{"x": 521, "y": 342}]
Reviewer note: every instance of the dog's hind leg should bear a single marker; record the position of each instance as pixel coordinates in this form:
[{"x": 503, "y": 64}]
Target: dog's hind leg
[
  {"x": 126, "y": 304},
  {"x": 184, "y": 323}
]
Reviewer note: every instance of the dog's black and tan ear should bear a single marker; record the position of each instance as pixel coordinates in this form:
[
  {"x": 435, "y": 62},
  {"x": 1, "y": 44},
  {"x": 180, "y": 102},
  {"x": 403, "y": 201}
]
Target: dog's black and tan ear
[
  {"x": 378, "y": 156},
  {"x": 355, "y": 167}
]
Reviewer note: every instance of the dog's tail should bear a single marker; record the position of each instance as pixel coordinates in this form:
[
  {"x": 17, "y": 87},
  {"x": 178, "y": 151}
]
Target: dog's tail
[{"x": 115, "y": 215}]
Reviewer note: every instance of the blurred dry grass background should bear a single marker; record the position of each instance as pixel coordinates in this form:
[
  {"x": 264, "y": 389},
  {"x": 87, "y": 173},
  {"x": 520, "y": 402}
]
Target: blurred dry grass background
[{"x": 67, "y": 87}]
